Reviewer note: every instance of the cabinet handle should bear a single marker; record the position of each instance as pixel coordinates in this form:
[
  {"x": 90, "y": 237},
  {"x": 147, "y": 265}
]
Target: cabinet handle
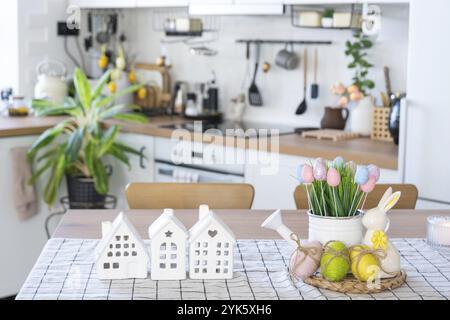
[{"x": 141, "y": 158}]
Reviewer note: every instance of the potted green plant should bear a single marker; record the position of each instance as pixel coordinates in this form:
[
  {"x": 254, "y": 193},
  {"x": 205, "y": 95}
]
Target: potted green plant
[
  {"x": 77, "y": 146},
  {"x": 336, "y": 193},
  {"x": 327, "y": 18},
  {"x": 362, "y": 114}
]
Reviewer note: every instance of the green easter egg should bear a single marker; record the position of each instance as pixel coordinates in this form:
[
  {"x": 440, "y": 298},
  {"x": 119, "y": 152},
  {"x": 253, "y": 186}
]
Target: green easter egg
[{"x": 335, "y": 267}]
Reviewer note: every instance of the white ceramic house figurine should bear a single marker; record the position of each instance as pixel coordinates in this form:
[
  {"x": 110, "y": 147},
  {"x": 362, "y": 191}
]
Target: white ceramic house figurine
[
  {"x": 168, "y": 247},
  {"x": 121, "y": 253},
  {"x": 377, "y": 223},
  {"x": 211, "y": 247}
]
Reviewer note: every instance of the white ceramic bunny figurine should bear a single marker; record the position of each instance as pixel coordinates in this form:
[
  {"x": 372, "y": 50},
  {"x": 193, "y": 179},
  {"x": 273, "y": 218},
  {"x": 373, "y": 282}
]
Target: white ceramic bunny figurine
[{"x": 376, "y": 220}]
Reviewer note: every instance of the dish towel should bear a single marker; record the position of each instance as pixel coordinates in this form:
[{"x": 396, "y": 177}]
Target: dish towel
[{"x": 24, "y": 195}]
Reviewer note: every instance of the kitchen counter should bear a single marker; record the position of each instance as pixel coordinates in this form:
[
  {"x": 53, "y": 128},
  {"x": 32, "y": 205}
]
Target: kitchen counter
[{"x": 361, "y": 150}]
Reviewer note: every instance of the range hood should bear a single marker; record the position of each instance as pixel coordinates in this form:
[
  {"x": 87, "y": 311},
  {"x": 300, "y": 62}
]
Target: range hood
[{"x": 235, "y": 9}]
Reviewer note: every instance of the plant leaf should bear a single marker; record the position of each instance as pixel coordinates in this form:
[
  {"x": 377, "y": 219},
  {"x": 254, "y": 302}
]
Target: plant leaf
[
  {"x": 52, "y": 186},
  {"x": 100, "y": 177},
  {"x": 120, "y": 155},
  {"x": 40, "y": 171},
  {"x": 38, "y": 104},
  {"x": 46, "y": 138},
  {"x": 101, "y": 84},
  {"x": 74, "y": 145},
  {"x": 70, "y": 110},
  {"x": 113, "y": 110},
  {"x": 128, "y": 149},
  {"x": 109, "y": 99},
  {"x": 133, "y": 117},
  {"x": 83, "y": 89},
  {"x": 107, "y": 140}
]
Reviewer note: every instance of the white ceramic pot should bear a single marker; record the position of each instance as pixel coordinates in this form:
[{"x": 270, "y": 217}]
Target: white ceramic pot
[
  {"x": 346, "y": 229},
  {"x": 327, "y": 22},
  {"x": 361, "y": 117}
]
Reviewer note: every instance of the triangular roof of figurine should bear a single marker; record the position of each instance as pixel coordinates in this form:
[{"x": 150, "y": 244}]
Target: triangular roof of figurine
[
  {"x": 119, "y": 221},
  {"x": 203, "y": 224},
  {"x": 162, "y": 221}
]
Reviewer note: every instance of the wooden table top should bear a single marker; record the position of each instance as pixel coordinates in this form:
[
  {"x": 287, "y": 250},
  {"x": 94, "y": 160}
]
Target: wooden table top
[{"x": 246, "y": 224}]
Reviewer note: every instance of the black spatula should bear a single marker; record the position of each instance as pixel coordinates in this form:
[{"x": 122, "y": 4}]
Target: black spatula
[
  {"x": 302, "y": 107},
  {"x": 254, "y": 96}
]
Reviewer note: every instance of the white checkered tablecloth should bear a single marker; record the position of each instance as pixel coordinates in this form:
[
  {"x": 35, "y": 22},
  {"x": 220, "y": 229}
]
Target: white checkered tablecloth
[{"x": 65, "y": 270}]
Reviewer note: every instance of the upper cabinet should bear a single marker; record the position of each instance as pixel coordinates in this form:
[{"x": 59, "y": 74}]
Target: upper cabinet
[{"x": 104, "y": 3}]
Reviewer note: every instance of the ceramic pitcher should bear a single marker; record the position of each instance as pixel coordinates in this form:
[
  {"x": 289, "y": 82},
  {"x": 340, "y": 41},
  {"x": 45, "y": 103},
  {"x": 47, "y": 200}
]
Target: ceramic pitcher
[{"x": 334, "y": 118}]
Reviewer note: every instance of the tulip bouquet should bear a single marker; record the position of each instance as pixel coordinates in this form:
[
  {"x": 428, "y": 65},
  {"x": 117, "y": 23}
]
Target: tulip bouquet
[
  {"x": 346, "y": 95},
  {"x": 336, "y": 188}
]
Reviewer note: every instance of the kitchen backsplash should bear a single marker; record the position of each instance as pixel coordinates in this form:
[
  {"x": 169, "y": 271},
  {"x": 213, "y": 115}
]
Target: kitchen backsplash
[{"x": 281, "y": 89}]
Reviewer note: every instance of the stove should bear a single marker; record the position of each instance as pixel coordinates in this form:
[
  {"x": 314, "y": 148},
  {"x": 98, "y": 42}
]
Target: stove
[{"x": 238, "y": 129}]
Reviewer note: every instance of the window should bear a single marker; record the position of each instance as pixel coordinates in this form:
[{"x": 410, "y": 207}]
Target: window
[
  {"x": 125, "y": 238},
  {"x": 111, "y": 246},
  {"x": 196, "y": 262},
  {"x": 110, "y": 254},
  {"x": 162, "y": 247},
  {"x": 205, "y": 252},
  {"x": 225, "y": 262},
  {"x": 225, "y": 270},
  {"x": 225, "y": 253},
  {"x": 217, "y": 270},
  {"x": 173, "y": 266},
  {"x": 126, "y": 245},
  {"x": 205, "y": 244},
  {"x": 134, "y": 253},
  {"x": 115, "y": 265},
  {"x": 197, "y": 252},
  {"x": 162, "y": 256},
  {"x": 227, "y": 244},
  {"x": 173, "y": 246},
  {"x": 196, "y": 270},
  {"x": 118, "y": 246},
  {"x": 204, "y": 270},
  {"x": 219, "y": 244},
  {"x": 218, "y": 252},
  {"x": 106, "y": 266},
  {"x": 162, "y": 265},
  {"x": 126, "y": 254},
  {"x": 118, "y": 254},
  {"x": 204, "y": 262},
  {"x": 132, "y": 245},
  {"x": 197, "y": 244},
  {"x": 118, "y": 238},
  {"x": 218, "y": 262},
  {"x": 173, "y": 256}
]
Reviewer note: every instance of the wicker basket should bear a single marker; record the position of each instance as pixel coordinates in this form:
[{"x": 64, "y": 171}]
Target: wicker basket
[
  {"x": 353, "y": 285},
  {"x": 380, "y": 127}
]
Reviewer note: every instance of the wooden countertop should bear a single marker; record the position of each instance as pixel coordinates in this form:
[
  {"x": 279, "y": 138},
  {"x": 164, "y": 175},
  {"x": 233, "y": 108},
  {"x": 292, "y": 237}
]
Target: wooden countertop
[
  {"x": 246, "y": 224},
  {"x": 362, "y": 150}
]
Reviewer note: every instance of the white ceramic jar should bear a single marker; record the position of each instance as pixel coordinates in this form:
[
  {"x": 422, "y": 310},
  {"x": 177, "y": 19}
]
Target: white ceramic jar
[{"x": 346, "y": 229}]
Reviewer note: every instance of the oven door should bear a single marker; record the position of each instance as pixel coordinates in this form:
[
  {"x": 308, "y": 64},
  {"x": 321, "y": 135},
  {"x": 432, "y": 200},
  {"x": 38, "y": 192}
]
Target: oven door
[{"x": 169, "y": 172}]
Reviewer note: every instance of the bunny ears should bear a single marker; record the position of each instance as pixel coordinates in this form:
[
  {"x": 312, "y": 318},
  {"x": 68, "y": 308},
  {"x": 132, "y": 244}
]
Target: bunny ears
[{"x": 389, "y": 200}]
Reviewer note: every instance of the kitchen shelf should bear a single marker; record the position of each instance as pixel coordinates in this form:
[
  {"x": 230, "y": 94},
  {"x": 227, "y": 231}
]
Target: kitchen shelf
[
  {"x": 281, "y": 41},
  {"x": 354, "y": 9}
]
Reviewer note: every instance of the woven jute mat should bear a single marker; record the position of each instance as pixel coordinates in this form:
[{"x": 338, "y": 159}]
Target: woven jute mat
[{"x": 352, "y": 285}]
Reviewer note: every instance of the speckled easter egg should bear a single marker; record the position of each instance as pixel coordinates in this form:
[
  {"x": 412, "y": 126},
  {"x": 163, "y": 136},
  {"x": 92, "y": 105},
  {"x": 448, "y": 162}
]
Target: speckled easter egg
[
  {"x": 307, "y": 174},
  {"x": 320, "y": 170},
  {"x": 333, "y": 177},
  {"x": 302, "y": 266}
]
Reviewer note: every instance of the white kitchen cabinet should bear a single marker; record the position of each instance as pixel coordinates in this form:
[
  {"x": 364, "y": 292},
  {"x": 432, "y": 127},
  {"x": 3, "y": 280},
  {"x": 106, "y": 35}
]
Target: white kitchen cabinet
[
  {"x": 141, "y": 169},
  {"x": 21, "y": 242},
  {"x": 161, "y": 3},
  {"x": 86, "y": 4}
]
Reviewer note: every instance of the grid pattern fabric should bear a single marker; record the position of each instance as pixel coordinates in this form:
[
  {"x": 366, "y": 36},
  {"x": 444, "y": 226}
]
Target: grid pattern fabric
[{"x": 65, "y": 270}]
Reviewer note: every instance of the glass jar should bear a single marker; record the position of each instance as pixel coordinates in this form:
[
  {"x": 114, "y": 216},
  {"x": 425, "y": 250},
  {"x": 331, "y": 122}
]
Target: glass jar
[{"x": 18, "y": 107}]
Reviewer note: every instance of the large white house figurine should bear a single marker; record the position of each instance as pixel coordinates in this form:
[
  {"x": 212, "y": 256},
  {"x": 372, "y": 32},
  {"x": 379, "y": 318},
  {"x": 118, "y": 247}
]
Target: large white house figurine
[
  {"x": 168, "y": 247},
  {"x": 211, "y": 247},
  {"x": 121, "y": 253}
]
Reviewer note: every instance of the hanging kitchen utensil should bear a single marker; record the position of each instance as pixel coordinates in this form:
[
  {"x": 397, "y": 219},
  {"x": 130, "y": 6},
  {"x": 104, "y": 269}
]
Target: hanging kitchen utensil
[
  {"x": 315, "y": 86},
  {"x": 103, "y": 36},
  {"x": 247, "y": 66},
  {"x": 302, "y": 107},
  {"x": 387, "y": 80},
  {"x": 254, "y": 96}
]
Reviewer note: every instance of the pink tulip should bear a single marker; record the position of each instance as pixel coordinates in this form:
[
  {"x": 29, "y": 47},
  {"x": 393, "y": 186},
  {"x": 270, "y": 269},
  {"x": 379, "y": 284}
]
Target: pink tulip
[{"x": 333, "y": 177}]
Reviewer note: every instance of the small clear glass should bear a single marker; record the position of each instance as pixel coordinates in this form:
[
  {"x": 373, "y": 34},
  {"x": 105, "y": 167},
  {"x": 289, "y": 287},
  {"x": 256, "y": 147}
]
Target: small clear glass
[{"x": 438, "y": 233}]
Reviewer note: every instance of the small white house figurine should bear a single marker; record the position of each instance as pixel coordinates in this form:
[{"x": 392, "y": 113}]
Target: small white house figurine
[
  {"x": 121, "y": 253},
  {"x": 211, "y": 247},
  {"x": 168, "y": 247}
]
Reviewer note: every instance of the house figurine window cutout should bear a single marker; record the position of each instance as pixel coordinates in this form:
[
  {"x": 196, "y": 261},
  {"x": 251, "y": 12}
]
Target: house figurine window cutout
[
  {"x": 168, "y": 247},
  {"x": 121, "y": 253},
  {"x": 211, "y": 247}
]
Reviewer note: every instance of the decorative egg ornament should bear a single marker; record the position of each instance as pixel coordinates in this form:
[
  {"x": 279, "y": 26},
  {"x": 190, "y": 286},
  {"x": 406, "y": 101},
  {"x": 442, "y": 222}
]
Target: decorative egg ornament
[
  {"x": 307, "y": 174},
  {"x": 305, "y": 260},
  {"x": 335, "y": 261},
  {"x": 365, "y": 265}
]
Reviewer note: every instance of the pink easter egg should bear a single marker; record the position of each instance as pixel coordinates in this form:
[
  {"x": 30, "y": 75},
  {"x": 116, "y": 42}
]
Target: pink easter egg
[
  {"x": 333, "y": 177},
  {"x": 320, "y": 170},
  {"x": 303, "y": 267},
  {"x": 369, "y": 185},
  {"x": 307, "y": 174},
  {"x": 374, "y": 171}
]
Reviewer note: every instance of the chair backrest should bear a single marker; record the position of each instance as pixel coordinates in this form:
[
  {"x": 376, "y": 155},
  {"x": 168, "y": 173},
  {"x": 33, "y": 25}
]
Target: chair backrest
[
  {"x": 189, "y": 195},
  {"x": 407, "y": 200}
]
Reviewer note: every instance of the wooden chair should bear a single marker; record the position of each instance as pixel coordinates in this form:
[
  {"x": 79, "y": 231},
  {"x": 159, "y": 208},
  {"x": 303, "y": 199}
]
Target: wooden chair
[
  {"x": 407, "y": 200},
  {"x": 189, "y": 195}
]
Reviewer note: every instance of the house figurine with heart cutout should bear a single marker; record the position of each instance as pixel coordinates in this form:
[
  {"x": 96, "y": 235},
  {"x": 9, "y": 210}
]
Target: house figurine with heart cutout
[
  {"x": 121, "y": 253},
  {"x": 211, "y": 247},
  {"x": 168, "y": 238}
]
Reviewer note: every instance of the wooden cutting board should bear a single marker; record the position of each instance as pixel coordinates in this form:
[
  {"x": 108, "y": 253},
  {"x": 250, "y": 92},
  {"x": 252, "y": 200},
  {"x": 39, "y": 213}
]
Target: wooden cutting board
[{"x": 330, "y": 134}]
